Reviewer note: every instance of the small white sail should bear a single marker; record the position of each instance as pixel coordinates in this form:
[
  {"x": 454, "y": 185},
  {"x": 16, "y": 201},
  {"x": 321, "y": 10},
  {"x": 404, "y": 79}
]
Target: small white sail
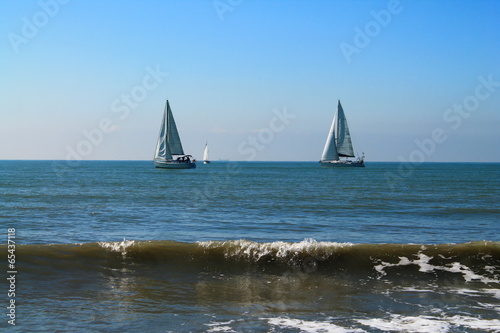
[{"x": 205, "y": 152}]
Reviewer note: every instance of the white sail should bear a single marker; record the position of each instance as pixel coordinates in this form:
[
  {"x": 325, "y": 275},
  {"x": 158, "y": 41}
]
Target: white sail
[
  {"x": 169, "y": 142},
  {"x": 162, "y": 149},
  {"x": 339, "y": 144},
  {"x": 205, "y": 152},
  {"x": 330, "y": 150},
  {"x": 344, "y": 143}
]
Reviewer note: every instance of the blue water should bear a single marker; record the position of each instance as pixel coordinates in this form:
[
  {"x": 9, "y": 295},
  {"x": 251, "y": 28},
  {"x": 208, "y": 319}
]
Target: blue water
[
  {"x": 56, "y": 202},
  {"x": 113, "y": 246}
]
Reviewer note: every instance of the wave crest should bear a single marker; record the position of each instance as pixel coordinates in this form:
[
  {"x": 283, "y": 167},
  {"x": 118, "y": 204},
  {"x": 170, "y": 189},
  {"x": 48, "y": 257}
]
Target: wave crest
[{"x": 284, "y": 250}]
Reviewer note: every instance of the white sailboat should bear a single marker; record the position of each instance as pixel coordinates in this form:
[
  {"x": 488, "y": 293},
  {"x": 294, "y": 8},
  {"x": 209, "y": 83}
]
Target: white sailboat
[
  {"x": 169, "y": 145},
  {"x": 205, "y": 154},
  {"x": 339, "y": 144}
]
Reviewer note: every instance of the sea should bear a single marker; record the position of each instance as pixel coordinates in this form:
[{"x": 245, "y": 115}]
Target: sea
[{"x": 119, "y": 246}]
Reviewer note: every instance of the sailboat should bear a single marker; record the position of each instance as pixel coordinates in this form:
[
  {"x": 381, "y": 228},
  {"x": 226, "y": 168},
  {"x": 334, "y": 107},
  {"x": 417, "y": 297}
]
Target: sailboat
[
  {"x": 205, "y": 154},
  {"x": 339, "y": 145},
  {"x": 169, "y": 145}
]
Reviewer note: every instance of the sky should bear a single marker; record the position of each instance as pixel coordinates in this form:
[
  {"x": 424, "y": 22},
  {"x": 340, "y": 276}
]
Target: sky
[{"x": 258, "y": 80}]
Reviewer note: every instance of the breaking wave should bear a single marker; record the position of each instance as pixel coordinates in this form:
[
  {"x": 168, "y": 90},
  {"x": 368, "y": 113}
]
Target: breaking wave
[{"x": 470, "y": 262}]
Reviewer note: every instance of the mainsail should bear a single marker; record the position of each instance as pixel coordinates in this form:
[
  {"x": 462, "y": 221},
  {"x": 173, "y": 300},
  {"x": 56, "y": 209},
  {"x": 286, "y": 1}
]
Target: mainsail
[
  {"x": 344, "y": 143},
  {"x": 339, "y": 141},
  {"x": 169, "y": 142}
]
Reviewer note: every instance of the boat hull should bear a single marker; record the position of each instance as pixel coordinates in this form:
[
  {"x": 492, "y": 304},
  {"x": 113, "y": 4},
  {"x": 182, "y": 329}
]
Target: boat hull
[
  {"x": 174, "y": 165},
  {"x": 343, "y": 164}
]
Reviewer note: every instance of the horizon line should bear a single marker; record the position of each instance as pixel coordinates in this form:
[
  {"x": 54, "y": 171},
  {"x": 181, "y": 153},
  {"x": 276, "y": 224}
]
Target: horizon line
[{"x": 238, "y": 161}]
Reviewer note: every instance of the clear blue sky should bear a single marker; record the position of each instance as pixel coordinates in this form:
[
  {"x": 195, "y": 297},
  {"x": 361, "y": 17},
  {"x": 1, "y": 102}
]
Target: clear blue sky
[{"x": 405, "y": 72}]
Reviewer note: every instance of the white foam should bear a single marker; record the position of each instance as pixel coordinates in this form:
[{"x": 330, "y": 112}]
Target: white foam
[
  {"x": 424, "y": 266},
  {"x": 248, "y": 249},
  {"x": 476, "y": 323},
  {"x": 465, "y": 291},
  {"x": 416, "y": 290},
  {"x": 495, "y": 307},
  {"x": 403, "y": 261},
  {"x": 443, "y": 257},
  {"x": 221, "y": 327},
  {"x": 424, "y": 324},
  {"x": 479, "y": 292},
  {"x": 494, "y": 292},
  {"x": 117, "y": 246},
  {"x": 310, "y": 326},
  {"x": 421, "y": 324},
  {"x": 490, "y": 269}
]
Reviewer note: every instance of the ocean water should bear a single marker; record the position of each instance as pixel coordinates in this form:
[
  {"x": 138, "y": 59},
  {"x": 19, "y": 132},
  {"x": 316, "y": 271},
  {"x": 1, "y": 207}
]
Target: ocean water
[{"x": 250, "y": 247}]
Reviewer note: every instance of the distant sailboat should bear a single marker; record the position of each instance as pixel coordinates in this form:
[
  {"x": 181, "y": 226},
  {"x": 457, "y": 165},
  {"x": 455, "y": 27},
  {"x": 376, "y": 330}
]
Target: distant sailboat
[
  {"x": 169, "y": 145},
  {"x": 339, "y": 144},
  {"x": 205, "y": 154}
]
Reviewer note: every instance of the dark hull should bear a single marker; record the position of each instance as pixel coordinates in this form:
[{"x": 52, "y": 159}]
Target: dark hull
[
  {"x": 343, "y": 164},
  {"x": 174, "y": 165}
]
